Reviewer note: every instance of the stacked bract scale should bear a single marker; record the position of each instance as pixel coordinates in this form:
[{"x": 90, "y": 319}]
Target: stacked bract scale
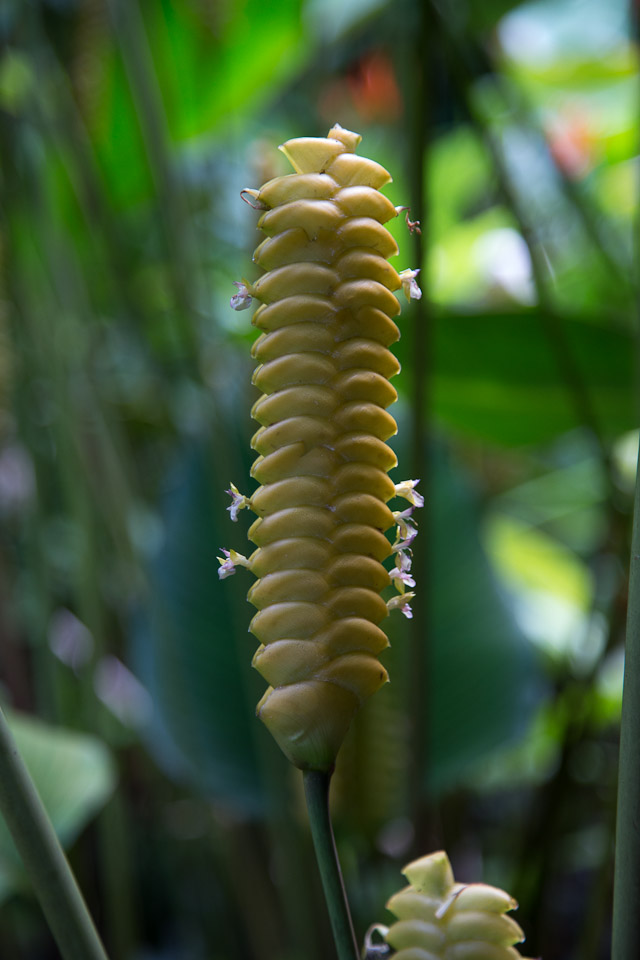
[{"x": 323, "y": 369}]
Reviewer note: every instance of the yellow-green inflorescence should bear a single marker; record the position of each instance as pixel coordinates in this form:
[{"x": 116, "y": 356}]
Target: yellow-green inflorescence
[
  {"x": 324, "y": 367},
  {"x": 439, "y": 919}
]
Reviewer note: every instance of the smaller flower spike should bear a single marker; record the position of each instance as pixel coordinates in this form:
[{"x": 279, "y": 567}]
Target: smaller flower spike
[
  {"x": 439, "y": 919},
  {"x": 410, "y": 286},
  {"x": 238, "y": 501}
]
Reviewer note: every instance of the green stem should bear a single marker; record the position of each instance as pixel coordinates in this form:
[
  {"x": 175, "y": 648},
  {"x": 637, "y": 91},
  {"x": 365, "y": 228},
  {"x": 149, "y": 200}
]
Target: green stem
[
  {"x": 52, "y": 879},
  {"x": 316, "y": 788},
  {"x": 626, "y": 894}
]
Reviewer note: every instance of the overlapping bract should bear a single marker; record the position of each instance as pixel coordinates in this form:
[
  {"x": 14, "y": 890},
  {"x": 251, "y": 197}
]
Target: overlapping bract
[
  {"x": 323, "y": 370},
  {"x": 439, "y": 919}
]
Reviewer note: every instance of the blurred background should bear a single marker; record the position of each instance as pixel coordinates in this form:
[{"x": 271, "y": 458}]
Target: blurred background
[{"x": 127, "y": 130}]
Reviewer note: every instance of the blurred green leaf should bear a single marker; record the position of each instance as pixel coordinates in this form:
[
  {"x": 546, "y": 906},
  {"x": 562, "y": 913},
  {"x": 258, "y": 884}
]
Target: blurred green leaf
[
  {"x": 583, "y": 73},
  {"x": 484, "y": 16},
  {"x": 216, "y": 62},
  {"x": 191, "y": 648},
  {"x": 460, "y": 274},
  {"x": 74, "y": 775},
  {"x": 484, "y": 680},
  {"x": 460, "y": 178},
  {"x": 565, "y": 502},
  {"x": 210, "y": 64},
  {"x": 532, "y": 559},
  {"x": 16, "y": 81},
  {"x": 497, "y": 378}
]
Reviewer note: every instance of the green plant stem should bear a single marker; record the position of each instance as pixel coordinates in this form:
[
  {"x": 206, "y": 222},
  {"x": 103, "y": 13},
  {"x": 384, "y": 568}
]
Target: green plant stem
[
  {"x": 626, "y": 896},
  {"x": 36, "y": 841},
  {"x": 316, "y": 788}
]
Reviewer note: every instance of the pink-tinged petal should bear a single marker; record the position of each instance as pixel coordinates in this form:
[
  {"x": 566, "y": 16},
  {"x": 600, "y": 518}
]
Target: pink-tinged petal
[
  {"x": 227, "y": 566},
  {"x": 407, "y": 489},
  {"x": 242, "y": 299},
  {"x": 401, "y": 570},
  {"x": 410, "y": 286},
  {"x": 401, "y": 603},
  {"x": 229, "y": 562},
  {"x": 238, "y": 502},
  {"x": 400, "y": 515},
  {"x": 405, "y": 532},
  {"x": 403, "y": 576}
]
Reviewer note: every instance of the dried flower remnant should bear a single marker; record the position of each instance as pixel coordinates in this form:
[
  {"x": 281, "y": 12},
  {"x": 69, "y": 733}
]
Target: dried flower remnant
[{"x": 324, "y": 367}]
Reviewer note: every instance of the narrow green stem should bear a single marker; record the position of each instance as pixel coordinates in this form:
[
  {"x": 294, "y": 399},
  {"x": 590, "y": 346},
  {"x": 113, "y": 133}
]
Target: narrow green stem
[
  {"x": 626, "y": 894},
  {"x": 316, "y": 788},
  {"x": 42, "y": 855}
]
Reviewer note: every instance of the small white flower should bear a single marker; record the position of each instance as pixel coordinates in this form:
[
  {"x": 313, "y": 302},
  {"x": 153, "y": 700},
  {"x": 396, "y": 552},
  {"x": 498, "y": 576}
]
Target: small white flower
[
  {"x": 400, "y": 515},
  {"x": 405, "y": 536},
  {"x": 407, "y": 489},
  {"x": 403, "y": 576},
  {"x": 401, "y": 603},
  {"x": 229, "y": 562},
  {"x": 410, "y": 286},
  {"x": 401, "y": 570},
  {"x": 405, "y": 532},
  {"x": 242, "y": 299},
  {"x": 238, "y": 501}
]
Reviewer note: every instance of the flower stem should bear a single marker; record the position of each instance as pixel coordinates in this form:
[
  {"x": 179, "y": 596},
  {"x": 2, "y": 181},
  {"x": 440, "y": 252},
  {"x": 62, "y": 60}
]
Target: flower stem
[
  {"x": 52, "y": 879},
  {"x": 626, "y": 895},
  {"x": 316, "y": 788}
]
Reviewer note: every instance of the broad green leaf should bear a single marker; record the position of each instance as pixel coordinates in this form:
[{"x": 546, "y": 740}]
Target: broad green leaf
[
  {"x": 531, "y": 558},
  {"x": 191, "y": 648},
  {"x": 460, "y": 178},
  {"x": 74, "y": 775},
  {"x": 208, "y": 67},
  {"x": 459, "y": 270},
  {"x": 497, "y": 376},
  {"x": 484, "y": 679},
  {"x": 567, "y": 502},
  {"x": 551, "y": 587},
  {"x": 584, "y": 73},
  {"x": 213, "y": 67}
]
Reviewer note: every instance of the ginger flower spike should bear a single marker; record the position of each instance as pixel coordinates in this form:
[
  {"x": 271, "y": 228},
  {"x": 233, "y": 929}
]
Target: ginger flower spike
[{"x": 328, "y": 303}]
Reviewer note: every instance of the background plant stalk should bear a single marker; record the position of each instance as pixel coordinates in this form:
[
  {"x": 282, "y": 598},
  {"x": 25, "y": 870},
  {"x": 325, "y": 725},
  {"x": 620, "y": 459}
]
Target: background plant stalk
[{"x": 44, "y": 860}]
